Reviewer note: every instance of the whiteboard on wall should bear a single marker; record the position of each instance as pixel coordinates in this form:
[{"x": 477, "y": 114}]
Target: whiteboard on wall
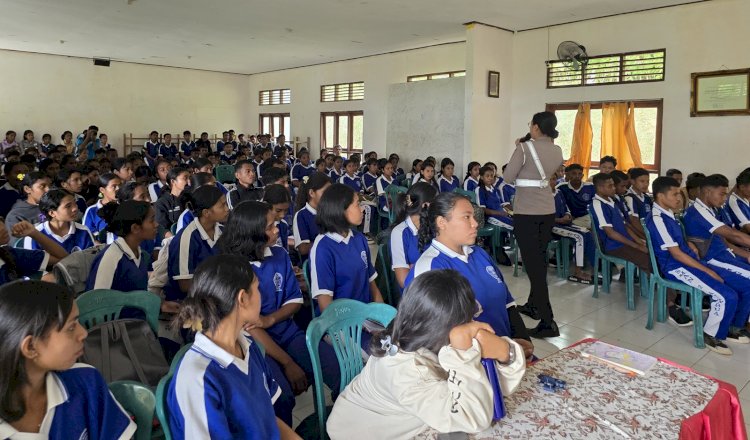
[{"x": 426, "y": 118}]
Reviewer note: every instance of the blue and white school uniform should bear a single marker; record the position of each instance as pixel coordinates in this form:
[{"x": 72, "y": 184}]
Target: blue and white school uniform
[
  {"x": 187, "y": 250},
  {"x": 507, "y": 192},
  {"x": 152, "y": 149},
  {"x": 304, "y": 227},
  {"x": 154, "y": 190},
  {"x": 77, "y": 238},
  {"x": 608, "y": 215},
  {"x": 485, "y": 279},
  {"x": 738, "y": 210},
  {"x": 335, "y": 175},
  {"x": 187, "y": 147},
  {"x": 79, "y": 406},
  {"x": 730, "y": 306},
  {"x": 638, "y": 204},
  {"x": 227, "y": 159},
  {"x": 368, "y": 182},
  {"x": 622, "y": 205},
  {"x": 118, "y": 268},
  {"x": 300, "y": 171},
  {"x": 184, "y": 219},
  {"x": 489, "y": 197},
  {"x": 168, "y": 151},
  {"x": 283, "y": 239},
  {"x": 28, "y": 263},
  {"x": 278, "y": 287},
  {"x": 380, "y": 186},
  {"x": 216, "y": 395},
  {"x": 404, "y": 245},
  {"x": 81, "y": 204},
  {"x": 470, "y": 184},
  {"x": 447, "y": 185},
  {"x": 222, "y": 188},
  {"x": 91, "y": 218},
  {"x": 582, "y": 238},
  {"x": 8, "y": 197},
  {"x": 341, "y": 266},
  {"x": 578, "y": 200},
  {"x": 352, "y": 182}
]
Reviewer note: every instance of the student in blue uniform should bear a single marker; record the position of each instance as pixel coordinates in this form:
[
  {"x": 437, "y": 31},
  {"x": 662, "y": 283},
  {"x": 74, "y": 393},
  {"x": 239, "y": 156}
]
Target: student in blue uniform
[
  {"x": 223, "y": 387},
  {"x": 394, "y": 159},
  {"x": 9, "y": 192},
  {"x": 168, "y": 205},
  {"x": 60, "y": 209},
  {"x": 109, "y": 185},
  {"x": 279, "y": 199},
  {"x": 451, "y": 220},
  {"x": 489, "y": 198},
  {"x": 738, "y": 204},
  {"x": 123, "y": 168},
  {"x": 18, "y": 263},
  {"x": 410, "y": 235},
  {"x": 197, "y": 241},
  {"x": 427, "y": 174},
  {"x": 151, "y": 148},
  {"x": 122, "y": 265},
  {"x": 584, "y": 246},
  {"x": 350, "y": 178},
  {"x": 679, "y": 260},
  {"x": 471, "y": 181},
  {"x": 245, "y": 188},
  {"x": 383, "y": 182},
  {"x": 638, "y": 201},
  {"x": 167, "y": 149},
  {"x": 337, "y": 171},
  {"x": 34, "y": 185},
  {"x": 301, "y": 169},
  {"x": 340, "y": 264},
  {"x": 370, "y": 177},
  {"x": 44, "y": 393},
  {"x": 162, "y": 168},
  {"x": 578, "y": 194},
  {"x": 72, "y": 180},
  {"x": 187, "y": 145},
  {"x": 251, "y": 232},
  {"x": 227, "y": 156},
  {"x": 304, "y": 225},
  {"x": 447, "y": 181}
]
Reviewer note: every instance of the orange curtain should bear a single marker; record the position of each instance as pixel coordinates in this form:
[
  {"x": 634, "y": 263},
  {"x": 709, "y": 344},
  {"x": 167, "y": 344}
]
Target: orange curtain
[
  {"x": 580, "y": 150},
  {"x": 618, "y": 135}
]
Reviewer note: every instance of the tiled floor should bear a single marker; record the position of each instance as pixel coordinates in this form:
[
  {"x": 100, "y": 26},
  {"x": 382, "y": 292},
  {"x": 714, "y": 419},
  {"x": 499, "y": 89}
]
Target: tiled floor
[{"x": 580, "y": 316}]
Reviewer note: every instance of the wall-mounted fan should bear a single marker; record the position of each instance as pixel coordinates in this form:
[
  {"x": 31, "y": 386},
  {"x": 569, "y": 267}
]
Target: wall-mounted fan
[{"x": 572, "y": 54}]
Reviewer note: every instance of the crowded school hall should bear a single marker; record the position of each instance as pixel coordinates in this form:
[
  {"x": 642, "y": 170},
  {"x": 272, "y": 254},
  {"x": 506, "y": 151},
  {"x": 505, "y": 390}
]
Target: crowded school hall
[{"x": 511, "y": 234}]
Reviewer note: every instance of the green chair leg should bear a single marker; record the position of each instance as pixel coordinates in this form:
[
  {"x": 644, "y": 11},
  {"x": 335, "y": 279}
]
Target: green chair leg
[
  {"x": 661, "y": 302},
  {"x": 630, "y": 285},
  {"x": 559, "y": 258},
  {"x": 645, "y": 281},
  {"x": 697, "y": 298},
  {"x": 596, "y": 275}
]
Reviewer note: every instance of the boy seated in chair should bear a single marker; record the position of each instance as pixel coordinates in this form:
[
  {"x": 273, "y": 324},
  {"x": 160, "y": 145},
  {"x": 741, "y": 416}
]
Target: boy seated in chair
[{"x": 679, "y": 260}]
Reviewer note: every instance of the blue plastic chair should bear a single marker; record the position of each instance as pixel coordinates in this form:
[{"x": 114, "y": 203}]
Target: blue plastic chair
[
  {"x": 139, "y": 401},
  {"x": 658, "y": 286},
  {"x": 342, "y": 322},
  {"x": 101, "y": 305},
  {"x": 606, "y": 267},
  {"x": 162, "y": 412}
]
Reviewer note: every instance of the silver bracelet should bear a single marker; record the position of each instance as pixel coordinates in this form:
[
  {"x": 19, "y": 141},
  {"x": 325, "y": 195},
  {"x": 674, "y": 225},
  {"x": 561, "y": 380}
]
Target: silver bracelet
[{"x": 511, "y": 354}]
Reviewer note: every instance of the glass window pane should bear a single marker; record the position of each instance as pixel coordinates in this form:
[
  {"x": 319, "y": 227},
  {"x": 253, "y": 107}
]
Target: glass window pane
[
  {"x": 343, "y": 138},
  {"x": 645, "y": 129},
  {"x": 440, "y": 76},
  {"x": 266, "y": 124},
  {"x": 596, "y": 129},
  {"x": 457, "y": 74},
  {"x": 276, "y": 125},
  {"x": 566, "y": 120},
  {"x": 357, "y": 126},
  {"x": 329, "y": 135},
  {"x": 288, "y": 128}
]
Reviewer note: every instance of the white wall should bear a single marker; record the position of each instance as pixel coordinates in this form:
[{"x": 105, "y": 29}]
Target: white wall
[
  {"x": 426, "y": 118},
  {"x": 51, "y": 94},
  {"x": 698, "y": 37},
  {"x": 378, "y": 73}
]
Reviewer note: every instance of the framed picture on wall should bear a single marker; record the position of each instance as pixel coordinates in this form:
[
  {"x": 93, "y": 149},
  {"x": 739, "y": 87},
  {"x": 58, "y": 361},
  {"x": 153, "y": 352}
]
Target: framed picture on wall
[
  {"x": 493, "y": 84},
  {"x": 720, "y": 93}
]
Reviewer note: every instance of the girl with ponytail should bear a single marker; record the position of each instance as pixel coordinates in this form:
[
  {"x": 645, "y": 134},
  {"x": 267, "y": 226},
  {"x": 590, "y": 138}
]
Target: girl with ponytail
[
  {"x": 223, "y": 387},
  {"x": 60, "y": 210},
  {"x": 304, "y": 227},
  {"x": 411, "y": 233}
]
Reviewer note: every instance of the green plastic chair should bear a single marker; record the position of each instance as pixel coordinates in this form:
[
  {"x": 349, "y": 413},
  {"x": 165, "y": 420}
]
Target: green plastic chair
[
  {"x": 658, "y": 285},
  {"x": 391, "y": 193},
  {"x": 383, "y": 268},
  {"x": 342, "y": 322},
  {"x": 18, "y": 244},
  {"x": 162, "y": 412},
  {"x": 306, "y": 274},
  {"x": 102, "y": 305},
  {"x": 606, "y": 263},
  {"x": 173, "y": 228},
  {"x": 470, "y": 194},
  {"x": 139, "y": 401},
  {"x": 224, "y": 173}
]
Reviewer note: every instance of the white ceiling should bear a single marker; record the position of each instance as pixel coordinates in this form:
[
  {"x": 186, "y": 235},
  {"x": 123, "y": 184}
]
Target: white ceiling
[{"x": 251, "y": 36}]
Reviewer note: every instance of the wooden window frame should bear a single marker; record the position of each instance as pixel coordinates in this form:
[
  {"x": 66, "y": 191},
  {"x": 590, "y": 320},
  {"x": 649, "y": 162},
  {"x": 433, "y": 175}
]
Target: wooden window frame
[
  {"x": 620, "y": 80},
  {"x": 451, "y": 74},
  {"x": 351, "y": 88},
  {"x": 281, "y": 116},
  {"x": 350, "y": 133},
  {"x": 651, "y": 103},
  {"x": 270, "y": 93}
]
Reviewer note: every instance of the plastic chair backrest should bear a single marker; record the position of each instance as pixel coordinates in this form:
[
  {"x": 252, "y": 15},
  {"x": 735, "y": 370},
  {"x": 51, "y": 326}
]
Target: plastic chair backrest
[
  {"x": 471, "y": 195},
  {"x": 595, "y": 229},
  {"x": 306, "y": 274},
  {"x": 225, "y": 173},
  {"x": 391, "y": 193},
  {"x": 102, "y": 305},
  {"x": 162, "y": 412},
  {"x": 18, "y": 244},
  {"x": 382, "y": 260},
  {"x": 139, "y": 401},
  {"x": 173, "y": 229},
  {"x": 342, "y": 321}
]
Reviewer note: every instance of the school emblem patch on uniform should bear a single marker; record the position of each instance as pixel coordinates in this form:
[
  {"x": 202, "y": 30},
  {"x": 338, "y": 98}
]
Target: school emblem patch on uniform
[
  {"x": 363, "y": 255},
  {"x": 491, "y": 271},
  {"x": 586, "y": 197},
  {"x": 278, "y": 281}
]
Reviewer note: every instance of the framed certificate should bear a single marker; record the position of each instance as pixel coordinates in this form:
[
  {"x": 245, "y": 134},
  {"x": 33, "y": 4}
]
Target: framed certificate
[
  {"x": 720, "y": 93},
  {"x": 493, "y": 84}
]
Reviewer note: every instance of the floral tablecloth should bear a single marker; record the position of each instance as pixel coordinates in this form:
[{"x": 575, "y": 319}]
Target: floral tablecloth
[{"x": 601, "y": 403}]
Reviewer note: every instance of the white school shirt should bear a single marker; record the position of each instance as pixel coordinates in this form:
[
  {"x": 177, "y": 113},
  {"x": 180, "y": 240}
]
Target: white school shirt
[{"x": 397, "y": 397}]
